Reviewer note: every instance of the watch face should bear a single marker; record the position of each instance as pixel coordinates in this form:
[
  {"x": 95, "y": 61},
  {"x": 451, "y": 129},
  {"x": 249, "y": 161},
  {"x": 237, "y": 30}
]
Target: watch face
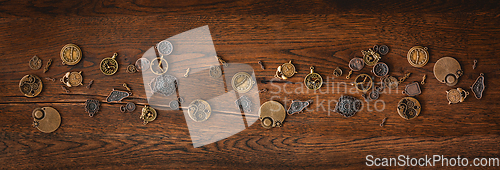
[
  {"x": 165, "y": 47},
  {"x": 418, "y": 56},
  {"x": 71, "y": 54}
]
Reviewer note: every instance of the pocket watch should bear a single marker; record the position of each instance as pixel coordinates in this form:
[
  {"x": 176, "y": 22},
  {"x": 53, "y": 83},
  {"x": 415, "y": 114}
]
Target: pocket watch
[
  {"x": 271, "y": 114},
  {"x": 313, "y": 81},
  {"x": 71, "y": 54},
  {"x": 418, "y": 56},
  {"x": 46, "y": 119},
  {"x": 447, "y": 70},
  {"x": 478, "y": 86},
  {"x": 409, "y": 108},
  {"x": 30, "y": 85},
  {"x": 285, "y": 71},
  {"x": 109, "y": 66},
  {"x": 164, "y": 47},
  {"x": 72, "y": 79},
  {"x": 242, "y": 82},
  {"x": 199, "y": 110},
  {"x": 456, "y": 95},
  {"x": 370, "y": 57},
  {"x": 380, "y": 69}
]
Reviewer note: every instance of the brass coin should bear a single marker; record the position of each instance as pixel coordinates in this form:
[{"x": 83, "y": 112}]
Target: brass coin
[
  {"x": 165, "y": 47},
  {"x": 46, "y": 119},
  {"x": 409, "y": 108},
  {"x": 313, "y": 81},
  {"x": 199, "y": 110},
  {"x": 71, "y": 54},
  {"x": 159, "y": 66},
  {"x": 288, "y": 69},
  {"x": 363, "y": 82},
  {"x": 148, "y": 114},
  {"x": 418, "y": 56},
  {"x": 109, "y": 66},
  {"x": 215, "y": 71},
  {"x": 242, "y": 82},
  {"x": 272, "y": 114},
  {"x": 30, "y": 85},
  {"x": 370, "y": 57},
  {"x": 142, "y": 64},
  {"x": 447, "y": 70},
  {"x": 35, "y": 63},
  {"x": 72, "y": 79}
]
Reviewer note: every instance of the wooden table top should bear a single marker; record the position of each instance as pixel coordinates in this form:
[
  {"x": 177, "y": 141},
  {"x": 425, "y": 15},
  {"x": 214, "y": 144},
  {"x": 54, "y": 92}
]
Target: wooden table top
[{"x": 315, "y": 33}]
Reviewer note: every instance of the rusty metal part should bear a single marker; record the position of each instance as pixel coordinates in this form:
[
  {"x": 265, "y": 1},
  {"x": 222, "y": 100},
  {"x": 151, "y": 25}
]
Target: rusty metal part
[
  {"x": 347, "y": 106},
  {"x": 35, "y": 63},
  {"x": 412, "y": 89},
  {"x": 148, "y": 114},
  {"x": 271, "y": 114},
  {"x": 478, "y": 86},
  {"x": 383, "y": 50},
  {"x": 117, "y": 95},
  {"x": 199, "y": 110},
  {"x": 90, "y": 84},
  {"x": 447, "y": 70},
  {"x": 423, "y": 79},
  {"x": 363, "y": 82},
  {"x": 313, "y": 81},
  {"x": 244, "y": 104},
  {"x": 30, "y": 85},
  {"x": 261, "y": 65},
  {"x": 409, "y": 108},
  {"x": 418, "y": 56},
  {"x": 65, "y": 89},
  {"x": 92, "y": 107},
  {"x": 456, "y": 95},
  {"x": 337, "y": 72},
  {"x": 402, "y": 79},
  {"x": 51, "y": 79},
  {"x": 383, "y": 122},
  {"x": 370, "y": 57},
  {"x": 71, "y": 54},
  {"x": 47, "y": 66},
  {"x": 72, "y": 79},
  {"x": 380, "y": 69},
  {"x": 297, "y": 106},
  {"x": 126, "y": 86},
  {"x": 187, "y": 72},
  {"x": 142, "y": 64},
  {"x": 46, "y": 119},
  {"x": 474, "y": 66},
  {"x": 131, "y": 69}
]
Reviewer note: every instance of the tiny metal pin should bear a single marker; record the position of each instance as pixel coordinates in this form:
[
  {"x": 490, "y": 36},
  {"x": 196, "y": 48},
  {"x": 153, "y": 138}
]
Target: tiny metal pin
[
  {"x": 51, "y": 79},
  {"x": 261, "y": 65},
  {"x": 126, "y": 86},
  {"x": 187, "y": 72},
  {"x": 383, "y": 122},
  {"x": 90, "y": 84},
  {"x": 65, "y": 89},
  {"x": 474, "y": 66},
  {"x": 349, "y": 75},
  {"x": 263, "y": 90},
  {"x": 423, "y": 79}
]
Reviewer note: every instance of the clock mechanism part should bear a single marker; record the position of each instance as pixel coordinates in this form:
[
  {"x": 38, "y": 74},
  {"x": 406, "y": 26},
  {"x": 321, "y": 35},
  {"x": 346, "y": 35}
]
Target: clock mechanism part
[
  {"x": 164, "y": 84},
  {"x": 71, "y": 54},
  {"x": 199, "y": 110},
  {"x": 363, "y": 82},
  {"x": 380, "y": 69},
  {"x": 30, "y": 85},
  {"x": 46, "y": 119},
  {"x": 92, "y": 107},
  {"x": 418, "y": 56},
  {"x": 355, "y": 64},
  {"x": 117, "y": 96},
  {"x": 215, "y": 71},
  {"x": 159, "y": 66},
  {"x": 456, "y": 95},
  {"x": 148, "y": 114},
  {"x": 35, "y": 63},
  {"x": 337, "y": 72},
  {"x": 271, "y": 114},
  {"x": 109, "y": 66},
  {"x": 244, "y": 104},
  {"x": 447, "y": 70},
  {"x": 409, "y": 108},
  {"x": 370, "y": 57}
]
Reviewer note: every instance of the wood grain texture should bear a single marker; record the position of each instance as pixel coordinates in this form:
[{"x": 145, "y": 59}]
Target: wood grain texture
[{"x": 315, "y": 33}]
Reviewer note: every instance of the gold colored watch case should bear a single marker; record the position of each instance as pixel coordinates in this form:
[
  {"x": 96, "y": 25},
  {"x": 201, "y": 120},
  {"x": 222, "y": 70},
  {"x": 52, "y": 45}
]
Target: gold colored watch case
[
  {"x": 414, "y": 56},
  {"x": 313, "y": 81},
  {"x": 109, "y": 66},
  {"x": 71, "y": 54}
]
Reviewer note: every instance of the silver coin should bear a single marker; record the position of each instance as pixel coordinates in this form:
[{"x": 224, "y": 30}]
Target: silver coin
[
  {"x": 164, "y": 84},
  {"x": 165, "y": 47},
  {"x": 215, "y": 71}
]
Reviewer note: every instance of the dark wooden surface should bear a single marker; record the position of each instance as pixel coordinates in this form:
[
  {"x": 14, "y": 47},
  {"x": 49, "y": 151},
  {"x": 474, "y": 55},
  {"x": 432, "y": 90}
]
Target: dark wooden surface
[{"x": 318, "y": 33}]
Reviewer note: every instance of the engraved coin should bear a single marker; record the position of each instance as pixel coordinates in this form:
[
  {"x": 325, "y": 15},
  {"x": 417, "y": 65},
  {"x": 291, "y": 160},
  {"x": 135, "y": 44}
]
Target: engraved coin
[
  {"x": 313, "y": 81},
  {"x": 142, "y": 64},
  {"x": 356, "y": 64},
  {"x": 109, "y": 66},
  {"x": 288, "y": 69},
  {"x": 380, "y": 69},
  {"x": 35, "y": 63},
  {"x": 30, "y": 85},
  {"x": 148, "y": 114},
  {"x": 453, "y": 96},
  {"x": 165, "y": 47},
  {"x": 383, "y": 50},
  {"x": 174, "y": 105},
  {"x": 242, "y": 82},
  {"x": 46, "y": 119},
  {"x": 347, "y": 106},
  {"x": 272, "y": 114},
  {"x": 409, "y": 108},
  {"x": 164, "y": 84},
  {"x": 71, "y": 54},
  {"x": 370, "y": 57},
  {"x": 215, "y": 71},
  {"x": 199, "y": 110},
  {"x": 159, "y": 66},
  {"x": 418, "y": 56}
]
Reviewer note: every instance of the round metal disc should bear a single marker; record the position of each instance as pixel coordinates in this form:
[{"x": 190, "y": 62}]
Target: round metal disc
[
  {"x": 418, "y": 56},
  {"x": 35, "y": 63},
  {"x": 30, "y": 85},
  {"x": 453, "y": 96},
  {"x": 363, "y": 82},
  {"x": 75, "y": 79},
  {"x": 164, "y": 84},
  {"x": 380, "y": 69},
  {"x": 313, "y": 81},
  {"x": 199, "y": 110},
  {"x": 174, "y": 105},
  {"x": 165, "y": 47},
  {"x": 71, "y": 54},
  {"x": 391, "y": 82},
  {"x": 142, "y": 64},
  {"x": 383, "y": 50},
  {"x": 130, "y": 106},
  {"x": 242, "y": 82},
  {"x": 347, "y": 106},
  {"x": 271, "y": 114},
  {"x": 447, "y": 70},
  {"x": 148, "y": 114},
  {"x": 409, "y": 108},
  {"x": 49, "y": 122},
  {"x": 109, "y": 66},
  {"x": 288, "y": 69},
  {"x": 356, "y": 64},
  {"x": 215, "y": 71}
]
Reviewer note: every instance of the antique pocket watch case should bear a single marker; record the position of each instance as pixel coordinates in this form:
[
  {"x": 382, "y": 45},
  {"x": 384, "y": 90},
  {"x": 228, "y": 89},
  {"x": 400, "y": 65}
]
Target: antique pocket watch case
[
  {"x": 71, "y": 54},
  {"x": 30, "y": 85},
  {"x": 418, "y": 56},
  {"x": 46, "y": 119},
  {"x": 409, "y": 108},
  {"x": 72, "y": 79},
  {"x": 456, "y": 95},
  {"x": 447, "y": 70},
  {"x": 313, "y": 81},
  {"x": 271, "y": 114},
  {"x": 109, "y": 66}
]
